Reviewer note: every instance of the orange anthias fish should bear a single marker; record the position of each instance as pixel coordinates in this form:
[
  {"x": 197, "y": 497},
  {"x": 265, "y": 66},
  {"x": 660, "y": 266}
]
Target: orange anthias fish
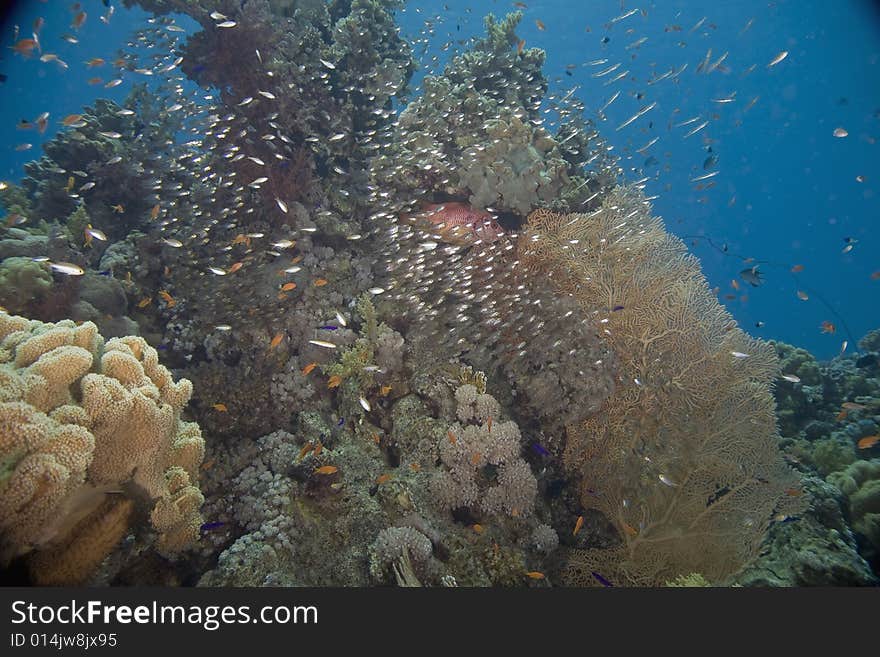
[
  {"x": 326, "y": 469},
  {"x": 96, "y": 61},
  {"x": 534, "y": 574},
  {"x": 78, "y": 20},
  {"x": 578, "y": 525},
  {"x": 308, "y": 368},
  {"x": 383, "y": 478},
  {"x": 220, "y": 407},
  {"x": 321, "y": 282},
  {"x": 167, "y": 298},
  {"x": 868, "y": 441},
  {"x": 235, "y": 267},
  {"x": 276, "y": 340},
  {"x": 827, "y": 327},
  {"x": 287, "y": 287},
  {"x": 25, "y": 47},
  {"x": 70, "y": 119},
  {"x": 334, "y": 381}
]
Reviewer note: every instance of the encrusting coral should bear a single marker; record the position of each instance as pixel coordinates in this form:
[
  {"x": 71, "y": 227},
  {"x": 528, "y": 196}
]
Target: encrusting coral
[
  {"x": 80, "y": 423},
  {"x": 683, "y": 457}
]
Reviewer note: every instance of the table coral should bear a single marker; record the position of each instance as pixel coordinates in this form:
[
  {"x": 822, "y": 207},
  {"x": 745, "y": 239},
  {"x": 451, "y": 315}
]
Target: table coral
[{"x": 81, "y": 420}]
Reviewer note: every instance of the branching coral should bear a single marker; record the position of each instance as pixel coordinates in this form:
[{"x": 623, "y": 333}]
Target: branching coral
[
  {"x": 683, "y": 457},
  {"x": 80, "y": 419}
]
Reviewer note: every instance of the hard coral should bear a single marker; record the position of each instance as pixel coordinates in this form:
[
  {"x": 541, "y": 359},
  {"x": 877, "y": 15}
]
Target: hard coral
[{"x": 79, "y": 419}]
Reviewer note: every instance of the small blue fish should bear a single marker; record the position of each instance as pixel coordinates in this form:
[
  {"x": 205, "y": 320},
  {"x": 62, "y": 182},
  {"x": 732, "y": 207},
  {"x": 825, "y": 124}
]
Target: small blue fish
[
  {"x": 616, "y": 308},
  {"x": 600, "y": 579},
  {"x": 209, "y": 526},
  {"x": 540, "y": 449},
  {"x": 329, "y": 327},
  {"x": 341, "y": 422}
]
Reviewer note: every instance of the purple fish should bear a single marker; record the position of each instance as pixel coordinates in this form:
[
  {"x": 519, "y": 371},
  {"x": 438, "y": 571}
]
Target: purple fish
[
  {"x": 209, "y": 526},
  {"x": 328, "y": 328},
  {"x": 600, "y": 579},
  {"x": 616, "y": 308},
  {"x": 540, "y": 449},
  {"x": 341, "y": 422}
]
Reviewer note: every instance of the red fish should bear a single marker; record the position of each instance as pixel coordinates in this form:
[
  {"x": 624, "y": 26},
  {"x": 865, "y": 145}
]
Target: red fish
[{"x": 459, "y": 223}]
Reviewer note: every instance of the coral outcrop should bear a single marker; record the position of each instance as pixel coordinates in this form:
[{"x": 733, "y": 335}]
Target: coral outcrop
[
  {"x": 473, "y": 134},
  {"x": 83, "y": 425}
]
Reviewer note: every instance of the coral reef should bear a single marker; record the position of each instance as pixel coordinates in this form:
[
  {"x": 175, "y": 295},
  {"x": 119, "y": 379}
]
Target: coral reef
[
  {"x": 404, "y": 380},
  {"x": 80, "y": 420}
]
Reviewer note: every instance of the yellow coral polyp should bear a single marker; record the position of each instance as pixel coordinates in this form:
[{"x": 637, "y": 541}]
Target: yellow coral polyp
[{"x": 79, "y": 418}]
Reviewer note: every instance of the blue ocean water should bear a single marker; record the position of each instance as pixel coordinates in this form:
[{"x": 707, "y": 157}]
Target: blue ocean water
[{"x": 787, "y": 191}]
